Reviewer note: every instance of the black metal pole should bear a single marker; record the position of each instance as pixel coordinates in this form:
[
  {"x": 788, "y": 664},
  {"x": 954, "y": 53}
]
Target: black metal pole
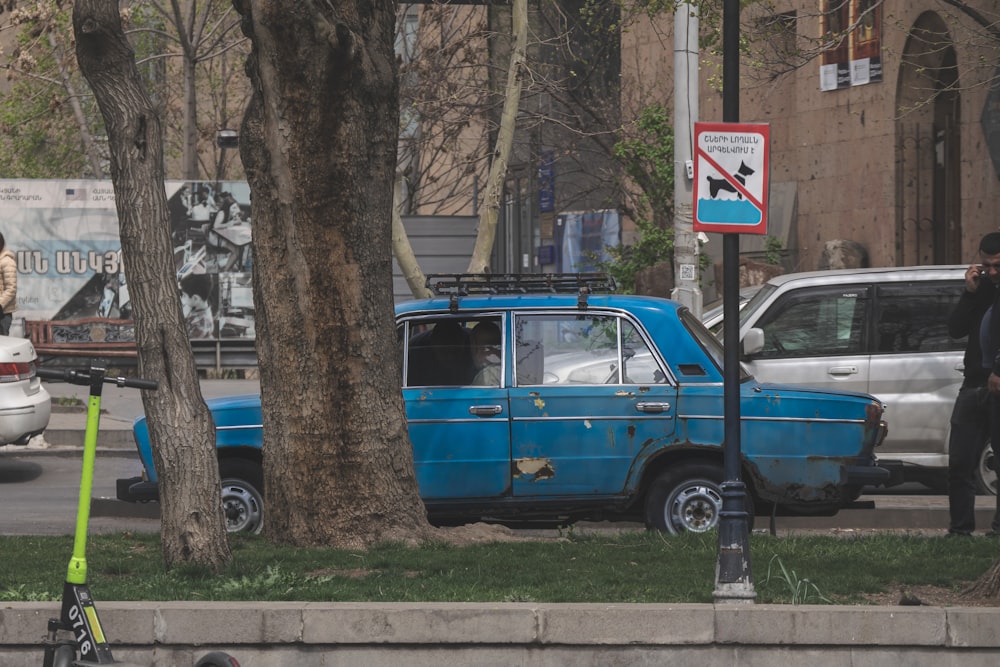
[{"x": 733, "y": 577}]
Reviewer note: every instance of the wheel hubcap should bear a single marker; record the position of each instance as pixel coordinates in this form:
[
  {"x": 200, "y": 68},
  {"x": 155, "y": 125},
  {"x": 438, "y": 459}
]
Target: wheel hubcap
[
  {"x": 696, "y": 508},
  {"x": 242, "y": 509}
]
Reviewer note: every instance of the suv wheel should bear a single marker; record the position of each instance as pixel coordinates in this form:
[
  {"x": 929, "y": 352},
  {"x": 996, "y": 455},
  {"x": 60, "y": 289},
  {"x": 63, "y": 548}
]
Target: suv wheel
[{"x": 986, "y": 474}]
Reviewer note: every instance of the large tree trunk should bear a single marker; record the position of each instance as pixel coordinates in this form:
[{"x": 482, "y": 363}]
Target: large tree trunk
[
  {"x": 181, "y": 427},
  {"x": 319, "y": 145}
]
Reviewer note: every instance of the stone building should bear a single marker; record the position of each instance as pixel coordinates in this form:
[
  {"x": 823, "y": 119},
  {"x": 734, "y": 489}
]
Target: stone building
[{"x": 885, "y": 127}]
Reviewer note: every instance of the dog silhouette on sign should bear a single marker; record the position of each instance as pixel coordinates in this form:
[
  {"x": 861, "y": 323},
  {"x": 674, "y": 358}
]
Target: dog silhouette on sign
[{"x": 717, "y": 184}]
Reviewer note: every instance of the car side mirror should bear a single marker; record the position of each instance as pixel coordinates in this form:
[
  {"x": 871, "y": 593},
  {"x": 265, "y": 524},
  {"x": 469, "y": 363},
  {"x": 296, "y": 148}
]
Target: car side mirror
[{"x": 753, "y": 342}]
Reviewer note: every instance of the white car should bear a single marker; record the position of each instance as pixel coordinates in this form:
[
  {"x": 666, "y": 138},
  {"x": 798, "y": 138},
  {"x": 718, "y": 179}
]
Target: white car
[
  {"x": 713, "y": 313},
  {"x": 879, "y": 331},
  {"x": 24, "y": 403}
]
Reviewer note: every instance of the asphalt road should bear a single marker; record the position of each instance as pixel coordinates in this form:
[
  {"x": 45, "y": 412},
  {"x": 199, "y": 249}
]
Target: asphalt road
[
  {"x": 39, "y": 491},
  {"x": 39, "y": 494}
]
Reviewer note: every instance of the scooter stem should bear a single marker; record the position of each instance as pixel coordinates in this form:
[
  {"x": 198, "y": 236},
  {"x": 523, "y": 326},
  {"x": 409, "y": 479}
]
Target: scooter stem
[{"x": 77, "y": 571}]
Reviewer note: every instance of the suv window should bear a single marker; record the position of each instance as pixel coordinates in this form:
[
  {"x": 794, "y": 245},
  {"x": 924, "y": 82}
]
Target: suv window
[
  {"x": 914, "y": 317},
  {"x": 581, "y": 349},
  {"x": 812, "y": 322}
]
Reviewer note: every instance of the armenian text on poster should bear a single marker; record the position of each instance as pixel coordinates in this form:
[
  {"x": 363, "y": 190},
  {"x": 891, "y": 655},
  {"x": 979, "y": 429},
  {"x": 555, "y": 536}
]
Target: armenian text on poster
[{"x": 66, "y": 239}]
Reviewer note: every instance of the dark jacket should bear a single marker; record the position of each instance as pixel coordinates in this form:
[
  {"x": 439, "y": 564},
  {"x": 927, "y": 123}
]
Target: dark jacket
[{"x": 965, "y": 320}]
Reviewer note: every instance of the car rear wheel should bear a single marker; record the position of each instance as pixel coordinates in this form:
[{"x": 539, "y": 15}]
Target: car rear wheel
[
  {"x": 687, "y": 499},
  {"x": 242, "y": 499}
]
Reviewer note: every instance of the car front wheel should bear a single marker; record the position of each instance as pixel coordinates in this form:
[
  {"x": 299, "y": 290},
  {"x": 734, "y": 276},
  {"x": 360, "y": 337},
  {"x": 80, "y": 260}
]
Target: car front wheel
[
  {"x": 687, "y": 499},
  {"x": 242, "y": 500}
]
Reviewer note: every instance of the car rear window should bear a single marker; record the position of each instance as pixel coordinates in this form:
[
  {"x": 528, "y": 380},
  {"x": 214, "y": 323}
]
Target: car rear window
[{"x": 913, "y": 317}]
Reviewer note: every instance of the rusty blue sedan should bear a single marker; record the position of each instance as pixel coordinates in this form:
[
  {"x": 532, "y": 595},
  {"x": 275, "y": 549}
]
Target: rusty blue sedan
[{"x": 539, "y": 401}]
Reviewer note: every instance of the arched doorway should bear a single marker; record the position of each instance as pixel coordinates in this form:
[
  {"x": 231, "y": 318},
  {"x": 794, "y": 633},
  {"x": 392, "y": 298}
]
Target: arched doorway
[{"x": 928, "y": 199}]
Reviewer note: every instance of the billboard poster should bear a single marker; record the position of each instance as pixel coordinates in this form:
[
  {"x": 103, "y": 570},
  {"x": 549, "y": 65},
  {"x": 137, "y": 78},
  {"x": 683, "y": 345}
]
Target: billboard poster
[
  {"x": 66, "y": 239},
  {"x": 852, "y": 30},
  {"x": 583, "y": 237}
]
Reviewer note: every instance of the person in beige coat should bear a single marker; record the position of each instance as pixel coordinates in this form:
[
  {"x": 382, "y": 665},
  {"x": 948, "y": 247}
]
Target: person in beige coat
[{"x": 8, "y": 286}]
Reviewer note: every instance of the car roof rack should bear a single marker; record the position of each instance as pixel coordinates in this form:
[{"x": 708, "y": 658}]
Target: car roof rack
[
  {"x": 463, "y": 284},
  {"x": 454, "y": 285}
]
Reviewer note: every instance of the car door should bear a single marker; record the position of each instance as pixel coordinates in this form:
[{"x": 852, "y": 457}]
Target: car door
[
  {"x": 459, "y": 430},
  {"x": 588, "y": 393},
  {"x": 816, "y": 337},
  {"x": 916, "y": 367}
]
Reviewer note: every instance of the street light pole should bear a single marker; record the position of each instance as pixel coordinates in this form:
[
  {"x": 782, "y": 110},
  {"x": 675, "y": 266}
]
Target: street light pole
[
  {"x": 225, "y": 139},
  {"x": 686, "y": 289},
  {"x": 733, "y": 576}
]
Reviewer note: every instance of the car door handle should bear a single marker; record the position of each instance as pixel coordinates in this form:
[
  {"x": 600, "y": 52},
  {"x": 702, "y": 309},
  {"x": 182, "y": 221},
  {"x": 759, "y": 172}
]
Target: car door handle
[
  {"x": 485, "y": 410},
  {"x": 647, "y": 406},
  {"x": 843, "y": 370}
]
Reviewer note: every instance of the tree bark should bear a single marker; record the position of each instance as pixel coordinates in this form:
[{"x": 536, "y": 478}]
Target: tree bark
[
  {"x": 319, "y": 143},
  {"x": 181, "y": 429},
  {"x": 987, "y": 585}
]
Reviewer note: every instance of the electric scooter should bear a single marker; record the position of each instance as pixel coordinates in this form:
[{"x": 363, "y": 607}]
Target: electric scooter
[{"x": 78, "y": 627}]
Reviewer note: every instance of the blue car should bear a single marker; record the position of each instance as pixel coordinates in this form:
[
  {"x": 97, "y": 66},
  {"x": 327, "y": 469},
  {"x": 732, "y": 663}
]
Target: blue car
[{"x": 528, "y": 403}]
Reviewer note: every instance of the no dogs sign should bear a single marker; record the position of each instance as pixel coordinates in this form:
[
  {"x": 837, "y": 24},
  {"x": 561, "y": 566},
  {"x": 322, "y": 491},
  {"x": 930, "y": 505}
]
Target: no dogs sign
[{"x": 731, "y": 163}]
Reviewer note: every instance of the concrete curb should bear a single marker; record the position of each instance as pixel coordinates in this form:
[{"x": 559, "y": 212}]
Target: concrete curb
[{"x": 281, "y": 633}]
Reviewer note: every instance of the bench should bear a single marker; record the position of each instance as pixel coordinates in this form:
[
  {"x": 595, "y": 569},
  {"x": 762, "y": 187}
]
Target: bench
[{"x": 86, "y": 337}]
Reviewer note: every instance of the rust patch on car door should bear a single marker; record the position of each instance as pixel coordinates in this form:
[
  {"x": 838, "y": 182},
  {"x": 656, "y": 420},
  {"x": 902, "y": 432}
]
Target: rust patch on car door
[{"x": 533, "y": 469}]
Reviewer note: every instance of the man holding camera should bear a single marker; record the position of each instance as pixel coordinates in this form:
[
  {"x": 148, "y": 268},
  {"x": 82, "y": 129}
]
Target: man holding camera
[{"x": 977, "y": 400}]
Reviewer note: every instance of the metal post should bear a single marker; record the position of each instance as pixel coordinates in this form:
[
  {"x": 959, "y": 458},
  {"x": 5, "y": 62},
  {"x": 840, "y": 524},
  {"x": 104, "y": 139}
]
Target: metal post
[
  {"x": 733, "y": 576},
  {"x": 686, "y": 289}
]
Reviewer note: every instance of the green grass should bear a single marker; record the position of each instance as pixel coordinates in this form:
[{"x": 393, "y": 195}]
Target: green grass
[{"x": 624, "y": 568}]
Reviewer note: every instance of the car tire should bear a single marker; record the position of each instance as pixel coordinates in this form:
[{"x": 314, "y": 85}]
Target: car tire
[
  {"x": 986, "y": 474},
  {"x": 242, "y": 496},
  {"x": 687, "y": 499},
  {"x": 64, "y": 656},
  {"x": 217, "y": 659}
]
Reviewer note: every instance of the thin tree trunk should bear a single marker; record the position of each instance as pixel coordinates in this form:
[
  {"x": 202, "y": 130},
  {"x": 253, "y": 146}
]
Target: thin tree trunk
[
  {"x": 89, "y": 149},
  {"x": 489, "y": 213},
  {"x": 401, "y": 248},
  {"x": 181, "y": 429},
  {"x": 318, "y": 144}
]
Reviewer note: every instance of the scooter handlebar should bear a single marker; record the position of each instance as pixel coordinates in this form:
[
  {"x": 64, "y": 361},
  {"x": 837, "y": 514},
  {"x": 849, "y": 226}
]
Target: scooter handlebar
[{"x": 82, "y": 377}]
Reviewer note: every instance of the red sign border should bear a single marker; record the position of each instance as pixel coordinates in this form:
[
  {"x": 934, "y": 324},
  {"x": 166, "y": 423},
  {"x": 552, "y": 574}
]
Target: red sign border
[{"x": 763, "y": 129}]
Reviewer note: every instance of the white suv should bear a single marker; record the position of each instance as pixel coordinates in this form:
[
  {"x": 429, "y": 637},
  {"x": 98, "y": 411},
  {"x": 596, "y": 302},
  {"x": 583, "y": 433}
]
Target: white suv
[{"x": 879, "y": 331}]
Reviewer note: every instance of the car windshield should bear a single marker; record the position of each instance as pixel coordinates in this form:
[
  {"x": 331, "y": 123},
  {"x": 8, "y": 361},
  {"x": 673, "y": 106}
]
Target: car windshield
[
  {"x": 759, "y": 297},
  {"x": 708, "y": 341}
]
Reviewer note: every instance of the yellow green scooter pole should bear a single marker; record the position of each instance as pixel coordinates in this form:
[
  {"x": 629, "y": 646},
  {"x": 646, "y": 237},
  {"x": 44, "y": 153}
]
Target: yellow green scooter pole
[
  {"x": 77, "y": 571},
  {"x": 78, "y": 616}
]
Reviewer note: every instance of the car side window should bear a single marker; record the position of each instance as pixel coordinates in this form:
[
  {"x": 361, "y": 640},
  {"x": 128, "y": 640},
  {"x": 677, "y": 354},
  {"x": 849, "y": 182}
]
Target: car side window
[
  {"x": 581, "y": 349},
  {"x": 914, "y": 317},
  {"x": 444, "y": 352},
  {"x": 811, "y": 323}
]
